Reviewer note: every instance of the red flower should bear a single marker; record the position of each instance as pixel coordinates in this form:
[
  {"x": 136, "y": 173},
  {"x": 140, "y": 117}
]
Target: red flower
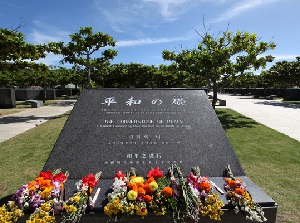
[
  {"x": 120, "y": 175},
  {"x": 156, "y": 173},
  {"x": 46, "y": 175},
  {"x": 90, "y": 180},
  {"x": 60, "y": 177}
]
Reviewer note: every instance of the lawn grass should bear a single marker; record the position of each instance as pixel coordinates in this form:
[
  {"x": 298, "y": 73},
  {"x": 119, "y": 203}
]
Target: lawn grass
[
  {"x": 23, "y": 156},
  {"x": 270, "y": 159}
]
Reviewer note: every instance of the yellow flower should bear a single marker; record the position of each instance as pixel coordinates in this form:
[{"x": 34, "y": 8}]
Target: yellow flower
[
  {"x": 136, "y": 180},
  {"x": 46, "y": 192},
  {"x": 141, "y": 211},
  {"x": 45, "y": 207},
  {"x": 77, "y": 199},
  {"x": 131, "y": 195},
  {"x": 70, "y": 208},
  {"x": 153, "y": 186}
]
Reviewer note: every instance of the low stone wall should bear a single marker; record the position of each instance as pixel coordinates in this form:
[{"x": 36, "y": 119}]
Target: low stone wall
[
  {"x": 35, "y": 94},
  {"x": 7, "y": 98},
  {"x": 288, "y": 94}
]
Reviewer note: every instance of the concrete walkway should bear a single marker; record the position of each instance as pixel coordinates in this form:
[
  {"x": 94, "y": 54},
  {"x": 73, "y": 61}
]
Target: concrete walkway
[
  {"x": 284, "y": 118},
  {"x": 14, "y": 124}
]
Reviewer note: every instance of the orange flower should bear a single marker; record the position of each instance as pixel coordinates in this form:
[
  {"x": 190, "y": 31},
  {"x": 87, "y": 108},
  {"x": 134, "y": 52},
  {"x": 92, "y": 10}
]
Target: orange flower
[
  {"x": 139, "y": 184},
  {"x": 240, "y": 191},
  {"x": 43, "y": 183},
  {"x": 232, "y": 183},
  {"x": 31, "y": 186},
  {"x": 141, "y": 192},
  {"x": 135, "y": 188},
  {"x": 167, "y": 191},
  {"x": 151, "y": 179},
  {"x": 148, "y": 198},
  {"x": 130, "y": 186},
  {"x": 204, "y": 186},
  {"x": 147, "y": 188}
]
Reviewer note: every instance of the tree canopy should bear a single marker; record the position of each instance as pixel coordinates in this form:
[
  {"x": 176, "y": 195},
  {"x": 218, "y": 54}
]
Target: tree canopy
[
  {"x": 81, "y": 47},
  {"x": 16, "y": 53},
  {"x": 284, "y": 74},
  {"x": 221, "y": 57}
]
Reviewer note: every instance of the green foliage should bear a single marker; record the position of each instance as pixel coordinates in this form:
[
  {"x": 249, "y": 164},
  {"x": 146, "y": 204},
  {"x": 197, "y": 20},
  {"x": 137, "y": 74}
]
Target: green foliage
[
  {"x": 141, "y": 76},
  {"x": 16, "y": 53},
  {"x": 217, "y": 58},
  {"x": 283, "y": 74},
  {"x": 81, "y": 47}
]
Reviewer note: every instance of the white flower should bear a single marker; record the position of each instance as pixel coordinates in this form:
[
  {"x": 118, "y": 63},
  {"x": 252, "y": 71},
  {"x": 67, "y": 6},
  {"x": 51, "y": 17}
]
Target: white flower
[
  {"x": 26, "y": 204},
  {"x": 236, "y": 209},
  {"x": 78, "y": 184},
  {"x": 194, "y": 190}
]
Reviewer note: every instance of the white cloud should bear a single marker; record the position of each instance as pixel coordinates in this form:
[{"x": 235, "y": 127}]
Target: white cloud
[
  {"x": 285, "y": 57},
  {"x": 13, "y": 5},
  {"x": 172, "y": 9},
  {"x": 50, "y": 59},
  {"x": 132, "y": 15},
  {"x": 46, "y": 33},
  {"x": 241, "y": 7},
  {"x": 150, "y": 41},
  {"x": 122, "y": 16},
  {"x": 39, "y": 38}
]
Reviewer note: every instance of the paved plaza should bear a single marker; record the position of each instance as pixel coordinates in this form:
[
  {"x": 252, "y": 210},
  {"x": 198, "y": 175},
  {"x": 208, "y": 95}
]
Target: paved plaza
[
  {"x": 14, "y": 124},
  {"x": 282, "y": 117}
]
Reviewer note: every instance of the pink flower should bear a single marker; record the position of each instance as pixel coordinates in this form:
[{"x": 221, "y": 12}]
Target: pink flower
[{"x": 192, "y": 178}]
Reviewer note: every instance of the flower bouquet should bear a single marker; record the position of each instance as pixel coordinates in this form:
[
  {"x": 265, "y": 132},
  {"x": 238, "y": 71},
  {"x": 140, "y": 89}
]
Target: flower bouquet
[
  {"x": 44, "y": 195},
  {"x": 134, "y": 195},
  {"x": 194, "y": 197},
  {"x": 76, "y": 205},
  {"x": 10, "y": 213},
  {"x": 241, "y": 199}
]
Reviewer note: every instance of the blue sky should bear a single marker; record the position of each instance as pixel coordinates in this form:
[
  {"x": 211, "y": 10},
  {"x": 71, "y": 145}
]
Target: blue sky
[{"x": 144, "y": 28}]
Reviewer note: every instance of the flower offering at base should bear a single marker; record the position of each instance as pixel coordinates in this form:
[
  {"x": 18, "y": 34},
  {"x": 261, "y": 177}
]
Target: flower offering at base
[
  {"x": 195, "y": 197},
  {"x": 10, "y": 213},
  {"x": 43, "y": 195},
  {"x": 240, "y": 198},
  {"x": 134, "y": 195},
  {"x": 75, "y": 206}
]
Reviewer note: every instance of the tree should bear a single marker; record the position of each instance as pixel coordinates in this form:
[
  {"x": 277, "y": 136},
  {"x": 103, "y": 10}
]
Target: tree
[
  {"x": 285, "y": 73},
  {"x": 16, "y": 53},
  {"x": 81, "y": 47},
  {"x": 217, "y": 58}
]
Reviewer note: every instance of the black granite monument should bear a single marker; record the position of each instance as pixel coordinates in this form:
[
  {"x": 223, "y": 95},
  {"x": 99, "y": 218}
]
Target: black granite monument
[{"x": 115, "y": 129}]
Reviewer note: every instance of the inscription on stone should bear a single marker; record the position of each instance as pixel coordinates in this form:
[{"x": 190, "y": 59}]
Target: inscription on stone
[{"x": 112, "y": 129}]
